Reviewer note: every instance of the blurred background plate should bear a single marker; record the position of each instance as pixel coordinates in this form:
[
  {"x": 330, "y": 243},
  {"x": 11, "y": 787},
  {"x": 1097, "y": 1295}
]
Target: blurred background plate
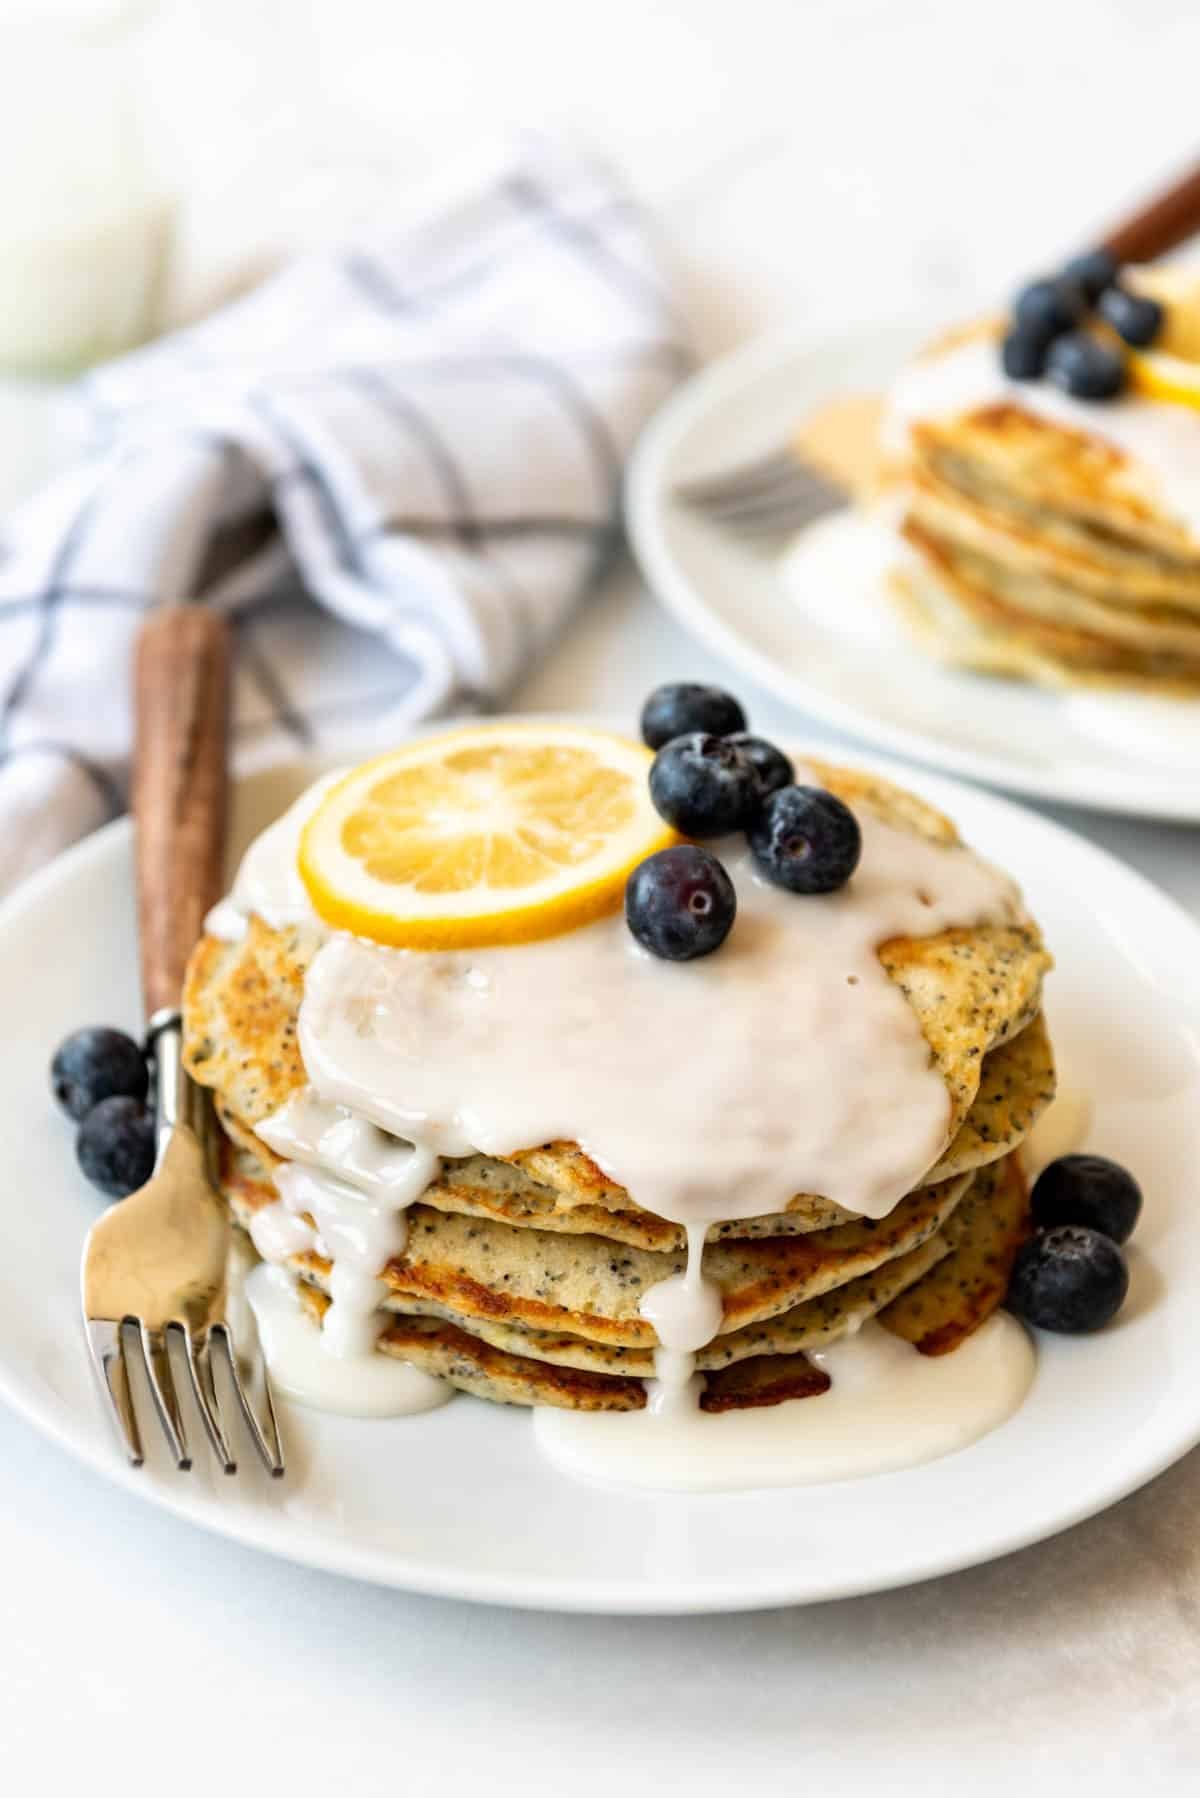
[{"x": 837, "y": 656}]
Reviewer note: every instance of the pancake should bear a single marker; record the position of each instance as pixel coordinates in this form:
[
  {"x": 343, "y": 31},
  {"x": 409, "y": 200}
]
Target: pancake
[
  {"x": 588, "y": 1286},
  {"x": 807, "y": 1324},
  {"x": 972, "y": 991},
  {"x": 1017, "y": 1083},
  {"x": 810, "y": 1324},
  {"x": 474, "y": 1366},
  {"x": 938, "y": 1312},
  {"x": 981, "y": 636},
  {"x": 1059, "y": 626},
  {"x": 946, "y": 1288},
  {"x": 465, "y": 1362},
  {"x": 1101, "y": 499},
  {"x": 523, "y": 1278},
  {"x": 1034, "y": 543}
]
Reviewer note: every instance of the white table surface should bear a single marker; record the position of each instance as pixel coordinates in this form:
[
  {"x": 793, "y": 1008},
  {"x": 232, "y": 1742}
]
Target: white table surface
[{"x": 806, "y": 160}]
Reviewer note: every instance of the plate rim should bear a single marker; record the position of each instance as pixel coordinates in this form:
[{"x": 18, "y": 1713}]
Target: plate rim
[
  {"x": 670, "y": 583},
  {"x": 269, "y": 1531}
]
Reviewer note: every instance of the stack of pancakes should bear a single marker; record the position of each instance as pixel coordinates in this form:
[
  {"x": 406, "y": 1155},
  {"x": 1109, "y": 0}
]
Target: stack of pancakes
[
  {"x": 523, "y": 1276},
  {"x": 1039, "y": 548}
]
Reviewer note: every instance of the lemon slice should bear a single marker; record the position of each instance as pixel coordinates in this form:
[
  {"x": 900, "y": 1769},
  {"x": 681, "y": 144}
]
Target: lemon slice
[
  {"x": 1171, "y": 370},
  {"x": 1177, "y": 288},
  {"x": 1162, "y": 377},
  {"x": 503, "y": 833}
]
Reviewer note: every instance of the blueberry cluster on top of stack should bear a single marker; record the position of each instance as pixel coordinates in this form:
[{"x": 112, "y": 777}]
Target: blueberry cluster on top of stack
[
  {"x": 1050, "y": 336},
  {"x": 710, "y": 778}
]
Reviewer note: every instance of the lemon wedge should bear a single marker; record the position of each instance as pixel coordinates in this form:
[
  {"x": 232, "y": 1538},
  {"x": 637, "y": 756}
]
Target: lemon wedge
[{"x": 502, "y": 833}]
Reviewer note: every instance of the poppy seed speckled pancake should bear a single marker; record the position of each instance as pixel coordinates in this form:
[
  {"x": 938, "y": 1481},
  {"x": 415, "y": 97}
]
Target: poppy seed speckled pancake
[
  {"x": 590, "y": 1286},
  {"x": 971, "y": 991},
  {"x": 982, "y": 1237},
  {"x": 474, "y": 1366},
  {"x": 506, "y": 1363},
  {"x": 1016, "y": 1085},
  {"x": 481, "y": 1187},
  {"x": 808, "y": 1324}
]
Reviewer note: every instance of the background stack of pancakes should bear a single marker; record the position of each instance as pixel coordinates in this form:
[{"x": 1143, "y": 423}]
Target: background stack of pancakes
[
  {"x": 1041, "y": 550},
  {"x": 523, "y": 1277}
]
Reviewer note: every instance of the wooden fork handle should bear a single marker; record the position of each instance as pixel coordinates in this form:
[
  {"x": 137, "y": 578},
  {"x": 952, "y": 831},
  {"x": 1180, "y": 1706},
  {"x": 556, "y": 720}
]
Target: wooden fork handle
[
  {"x": 1163, "y": 223},
  {"x": 181, "y": 712}
]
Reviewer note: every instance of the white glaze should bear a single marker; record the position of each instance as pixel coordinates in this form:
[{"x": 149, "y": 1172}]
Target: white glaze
[
  {"x": 355, "y": 1181},
  {"x": 268, "y": 881},
  {"x": 1162, "y": 440},
  {"x": 1062, "y": 1128},
  {"x": 685, "y": 1311},
  {"x": 302, "y": 1369},
  {"x": 359, "y": 1235},
  {"x": 310, "y": 1130},
  {"x": 278, "y": 1234},
  {"x": 888, "y": 1407},
  {"x": 712, "y": 1090},
  {"x": 356, "y": 1184},
  {"x": 787, "y": 1062}
]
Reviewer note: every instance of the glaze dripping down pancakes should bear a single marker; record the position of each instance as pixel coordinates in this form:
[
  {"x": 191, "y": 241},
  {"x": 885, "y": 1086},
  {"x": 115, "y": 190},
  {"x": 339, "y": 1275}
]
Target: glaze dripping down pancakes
[{"x": 523, "y": 1274}]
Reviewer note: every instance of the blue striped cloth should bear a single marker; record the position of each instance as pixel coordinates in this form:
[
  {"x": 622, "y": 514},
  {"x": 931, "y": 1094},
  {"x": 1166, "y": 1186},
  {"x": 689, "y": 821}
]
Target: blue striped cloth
[{"x": 396, "y": 465}]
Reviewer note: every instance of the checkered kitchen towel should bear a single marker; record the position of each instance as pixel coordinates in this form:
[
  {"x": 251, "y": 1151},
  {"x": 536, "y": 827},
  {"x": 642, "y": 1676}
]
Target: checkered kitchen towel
[{"x": 396, "y": 466}]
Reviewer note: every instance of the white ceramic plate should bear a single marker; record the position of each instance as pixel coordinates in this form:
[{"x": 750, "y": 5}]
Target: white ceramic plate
[
  {"x": 848, "y": 665},
  {"x": 458, "y": 1502}
]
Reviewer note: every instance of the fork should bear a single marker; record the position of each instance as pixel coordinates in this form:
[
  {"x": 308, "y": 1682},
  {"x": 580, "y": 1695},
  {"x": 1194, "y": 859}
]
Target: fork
[
  {"x": 155, "y": 1266},
  {"x": 825, "y": 463}
]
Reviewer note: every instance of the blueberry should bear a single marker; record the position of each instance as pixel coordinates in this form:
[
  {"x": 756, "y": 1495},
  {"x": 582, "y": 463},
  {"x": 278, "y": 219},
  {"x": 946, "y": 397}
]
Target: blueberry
[
  {"x": 1134, "y": 316},
  {"x": 1087, "y": 1190},
  {"x": 1092, "y": 273},
  {"x": 1023, "y": 354},
  {"x": 703, "y": 785},
  {"x": 680, "y": 903},
  {"x": 1049, "y": 307},
  {"x": 95, "y": 1064},
  {"x": 771, "y": 767},
  {"x": 1084, "y": 367},
  {"x": 115, "y": 1146},
  {"x": 806, "y": 840},
  {"x": 685, "y": 706},
  {"x": 1068, "y": 1279}
]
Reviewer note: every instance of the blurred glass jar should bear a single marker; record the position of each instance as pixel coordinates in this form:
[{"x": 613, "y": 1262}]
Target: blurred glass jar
[{"x": 85, "y": 220}]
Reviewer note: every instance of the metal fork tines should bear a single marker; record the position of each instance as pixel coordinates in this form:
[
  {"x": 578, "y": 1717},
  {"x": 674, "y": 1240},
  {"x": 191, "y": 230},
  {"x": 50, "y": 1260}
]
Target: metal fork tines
[
  {"x": 155, "y": 1286},
  {"x": 778, "y": 492},
  {"x": 833, "y": 457},
  {"x": 111, "y": 1345}
]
